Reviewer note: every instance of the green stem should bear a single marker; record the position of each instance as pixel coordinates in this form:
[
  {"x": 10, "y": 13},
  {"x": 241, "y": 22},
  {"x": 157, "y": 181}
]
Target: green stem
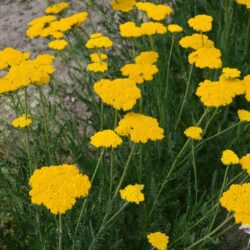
[
  {"x": 168, "y": 66},
  {"x": 247, "y": 36},
  {"x": 185, "y": 95},
  {"x": 195, "y": 172},
  {"x": 60, "y": 233}
]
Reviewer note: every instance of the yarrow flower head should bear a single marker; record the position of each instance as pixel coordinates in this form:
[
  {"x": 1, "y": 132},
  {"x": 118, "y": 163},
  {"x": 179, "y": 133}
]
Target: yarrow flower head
[
  {"x": 58, "y": 44},
  {"x": 147, "y": 57},
  {"x": 229, "y": 73},
  {"x": 158, "y": 240},
  {"x": 140, "y": 128},
  {"x": 155, "y": 11},
  {"x": 57, "y": 8},
  {"x": 97, "y": 40},
  {"x": 119, "y": 93},
  {"x": 245, "y": 163},
  {"x": 206, "y": 58},
  {"x": 106, "y": 138},
  {"x": 174, "y": 28},
  {"x": 236, "y": 200},
  {"x": 123, "y": 5},
  {"x": 229, "y": 157},
  {"x": 133, "y": 193},
  {"x": 58, "y": 187},
  {"x": 246, "y": 82},
  {"x": 98, "y": 63},
  {"x": 244, "y": 2},
  {"x": 201, "y": 23},
  {"x": 194, "y": 132},
  {"x": 196, "y": 41},
  {"x": 244, "y": 115},
  {"x": 22, "y": 121}
]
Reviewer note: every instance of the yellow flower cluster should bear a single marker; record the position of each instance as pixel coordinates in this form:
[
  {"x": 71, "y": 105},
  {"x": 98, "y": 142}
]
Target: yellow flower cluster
[
  {"x": 140, "y": 128},
  {"x": 106, "y": 138},
  {"x": 245, "y": 163},
  {"x": 58, "y": 44},
  {"x": 244, "y": 115},
  {"x": 57, "y": 8},
  {"x": 10, "y": 57},
  {"x": 246, "y": 82},
  {"x": 244, "y": 2},
  {"x": 174, "y": 28},
  {"x": 206, "y": 58},
  {"x": 22, "y": 121},
  {"x": 229, "y": 73},
  {"x": 119, "y": 93},
  {"x": 129, "y": 29},
  {"x": 97, "y": 40},
  {"x": 219, "y": 93},
  {"x": 158, "y": 240},
  {"x": 58, "y": 187},
  {"x": 133, "y": 193},
  {"x": 194, "y": 132},
  {"x": 143, "y": 69},
  {"x": 229, "y": 157},
  {"x": 28, "y": 72},
  {"x": 155, "y": 11},
  {"x": 236, "y": 200},
  {"x": 196, "y": 41},
  {"x": 123, "y": 5},
  {"x": 98, "y": 63},
  {"x": 201, "y": 23},
  {"x": 49, "y": 26}
]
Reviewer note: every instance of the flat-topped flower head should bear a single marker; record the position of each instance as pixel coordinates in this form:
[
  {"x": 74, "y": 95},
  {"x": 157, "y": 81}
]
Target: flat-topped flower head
[
  {"x": 230, "y": 73},
  {"x": 244, "y": 2},
  {"x": 201, "y": 23},
  {"x": 236, "y": 200},
  {"x": 147, "y": 57},
  {"x": 156, "y": 12},
  {"x": 123, "y": 5},
  {"x": 244, "y": 115},
  {"x": 105, "y": 138},
  {"x": 97, "y": 40},
  {"x": 158, "y": 240},
  {"x": 133, "y": 193},
  {"x": 97, "y": 58},
  {"x": 206, "y": 58},
  {"x": 174, "y": 28},
  {"x": 194, "y": 132},
  {"x": 58, "y": 187},
  {"x": 229, "y": 157},
  {"x": 153, "y": 28},
  {"x": 120, "y": 93},
  {"x": 246, "y": 82},
  {"x": 245, "y": 163},
  {"x": 57, "y": 8},
  {"x": 98, "y": 63},
  {"x": 22, "y": 121},
  {"x": 10, "y": 57},
  {"x": 219, "y": 93},
  {"x": 129, "y": 29},
  {"x": 58, "y": 44},
  {"x": 196, "y": 41},
  {"x": 140, "y": 128}
]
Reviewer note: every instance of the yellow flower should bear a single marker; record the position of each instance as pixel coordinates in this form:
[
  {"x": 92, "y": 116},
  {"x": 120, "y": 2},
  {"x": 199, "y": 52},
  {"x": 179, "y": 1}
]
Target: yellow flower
[
  {"x": 58, "y": 187},
  {"x": 97, "y": 58},
  {"x": 229, "y": 73},
  {"x": 123, "y": 5},
  {"x": 244, "y": 115},
  {"x": 229, "y": 157},
  {"x": 201, "y": 23},
  {"x": 246, "y": 82},
  {"x": 56, "y": 8},
  {"x": 219, "y": 93},
  {"x": 10, "y": 57},
  {"x": 244, "y": 2},
  {"x": 245, "y": 163},
  {"x": 155, "y": 11},
  {"x": 193, "y": 132},
  {"x": 236, "y": 200},
  {"x": 196, "y": 41},
  {"x": 97, "y": 40},
  {"x": 153, "y": 28},
  {"x": 129, "y": 29},
  {"x": 22, "y": 121},
  {"x": 106, "y": 138},
  {"x": 119, "y": 93},
  {"x": 140, "y": 128},
  {"x": 58, "y": 44},
  {"x": 147, "y": 57},
  {"x": 132, "y": 193},
  {"x": 206, "y": 58},
  {"x": 158, "y": 240},
  {"x": 174, "y": 28},
  {"x": 97, "y": 67}
]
